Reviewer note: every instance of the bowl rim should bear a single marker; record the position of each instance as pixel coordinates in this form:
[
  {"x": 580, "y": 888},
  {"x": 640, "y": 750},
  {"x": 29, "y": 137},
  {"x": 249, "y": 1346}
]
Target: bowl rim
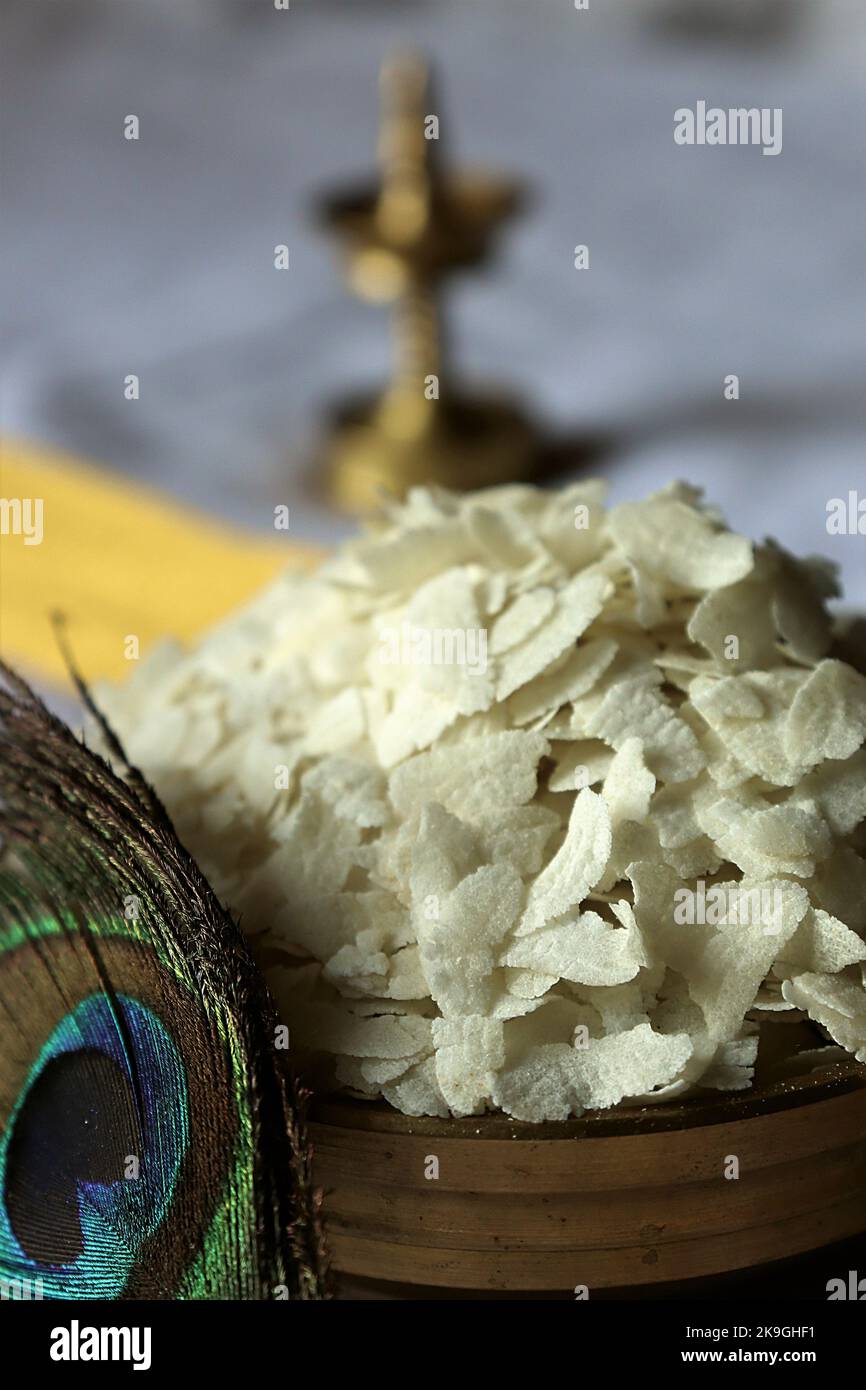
[{"x": 835, "y": 1079}]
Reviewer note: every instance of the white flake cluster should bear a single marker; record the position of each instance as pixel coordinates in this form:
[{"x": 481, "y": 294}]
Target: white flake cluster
[{"x": 458, "y": 784}]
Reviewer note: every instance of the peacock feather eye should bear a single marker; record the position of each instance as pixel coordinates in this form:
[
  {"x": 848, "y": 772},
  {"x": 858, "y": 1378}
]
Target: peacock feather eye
[
  {"x": 85, "y": 1162},
  {"x": 152, "y": 1139}
]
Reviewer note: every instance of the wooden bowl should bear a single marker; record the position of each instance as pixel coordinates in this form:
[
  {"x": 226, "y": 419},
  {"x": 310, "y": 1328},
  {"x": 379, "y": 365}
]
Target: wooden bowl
[{"x": 618, "y": 1198}]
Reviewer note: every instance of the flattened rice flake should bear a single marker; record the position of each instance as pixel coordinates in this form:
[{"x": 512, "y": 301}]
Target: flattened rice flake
[{"x": 529, "y": 805}]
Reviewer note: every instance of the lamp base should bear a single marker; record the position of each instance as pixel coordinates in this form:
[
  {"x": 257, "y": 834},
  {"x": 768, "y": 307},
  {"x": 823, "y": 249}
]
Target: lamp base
[{"x": 461, "y": 444}]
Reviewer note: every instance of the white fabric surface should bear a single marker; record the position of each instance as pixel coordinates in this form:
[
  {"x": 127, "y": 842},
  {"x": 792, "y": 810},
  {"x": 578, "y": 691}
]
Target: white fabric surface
[{"x": 156, "y": 257}]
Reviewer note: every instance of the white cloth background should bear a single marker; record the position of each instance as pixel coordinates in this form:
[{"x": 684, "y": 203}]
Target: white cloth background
[{"x": 156, "y": 257}]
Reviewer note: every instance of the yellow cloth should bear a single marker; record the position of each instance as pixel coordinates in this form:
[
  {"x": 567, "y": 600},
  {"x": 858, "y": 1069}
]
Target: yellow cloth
[{"x": 118, "y": 560}]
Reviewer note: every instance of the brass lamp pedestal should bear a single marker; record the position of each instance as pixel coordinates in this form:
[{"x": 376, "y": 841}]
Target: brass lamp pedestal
[
  {"x": 378, "y": 446},
  {"x": 399, "y": 240}
]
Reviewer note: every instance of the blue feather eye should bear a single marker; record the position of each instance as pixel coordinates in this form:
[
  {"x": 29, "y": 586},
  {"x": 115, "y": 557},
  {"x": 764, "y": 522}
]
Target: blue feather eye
[{"x": 90, "y": 1158}]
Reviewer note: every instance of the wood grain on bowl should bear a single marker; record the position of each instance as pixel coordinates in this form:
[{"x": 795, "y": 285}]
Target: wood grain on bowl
[{"x": 628, "y": 1197}]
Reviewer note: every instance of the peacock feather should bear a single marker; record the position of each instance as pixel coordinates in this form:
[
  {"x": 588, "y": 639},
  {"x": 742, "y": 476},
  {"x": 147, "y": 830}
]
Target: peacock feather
[{"x": 153, "y": 1136}]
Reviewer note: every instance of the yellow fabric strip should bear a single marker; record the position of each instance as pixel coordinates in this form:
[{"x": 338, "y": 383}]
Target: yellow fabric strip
[{"x": 118, "y": 560}]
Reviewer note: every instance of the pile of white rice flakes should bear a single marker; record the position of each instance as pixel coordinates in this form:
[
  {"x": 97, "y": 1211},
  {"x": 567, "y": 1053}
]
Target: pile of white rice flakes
[{"x": 527, "y": 805}]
